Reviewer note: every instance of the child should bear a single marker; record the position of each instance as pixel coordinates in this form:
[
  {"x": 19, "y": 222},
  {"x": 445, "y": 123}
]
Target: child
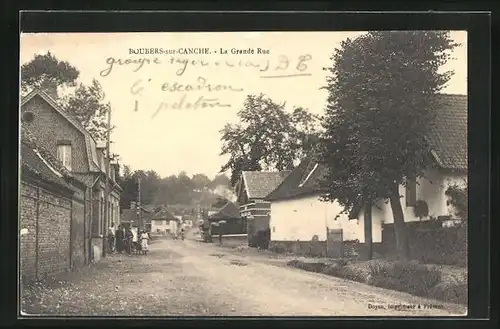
[{"x": 144, "y": 237}]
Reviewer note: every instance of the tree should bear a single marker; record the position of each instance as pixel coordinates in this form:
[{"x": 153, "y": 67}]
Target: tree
[
  {"x": 458, "y": 199},
  {"x": 128, "y": 184},
  {"x": 85, "y": 103},
  {"x": 47, "y": 69},
  {"x": 87, "y": 107},
  {"x": 382, "y": 98},
  {"x": 220, "y": 179},
  {"x": 200, "y": 181},
  {"x": 267, "y": 137}
]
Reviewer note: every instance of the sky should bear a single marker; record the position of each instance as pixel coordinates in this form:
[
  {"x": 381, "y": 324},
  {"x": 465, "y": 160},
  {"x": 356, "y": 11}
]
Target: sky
[{"x": 168, "y": 108}]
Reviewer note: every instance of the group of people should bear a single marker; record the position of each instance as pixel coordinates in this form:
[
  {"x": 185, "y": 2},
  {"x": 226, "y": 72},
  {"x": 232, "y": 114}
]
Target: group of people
[{"x": 123, "y": 238}]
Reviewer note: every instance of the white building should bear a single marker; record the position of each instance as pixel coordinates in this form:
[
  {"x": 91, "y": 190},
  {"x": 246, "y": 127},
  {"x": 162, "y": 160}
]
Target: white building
[{"x": 298, "y": 216}]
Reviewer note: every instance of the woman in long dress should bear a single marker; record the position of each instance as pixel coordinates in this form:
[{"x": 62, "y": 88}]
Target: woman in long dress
[{"x": 144, "y": 241}]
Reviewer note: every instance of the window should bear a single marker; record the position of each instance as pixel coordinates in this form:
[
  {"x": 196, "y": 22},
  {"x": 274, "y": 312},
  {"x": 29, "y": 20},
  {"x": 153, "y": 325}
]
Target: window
[
  {"x": 27, "y": 117},
  {"x": 411, "y": 192},
  {"x": 64, "y": 153}
]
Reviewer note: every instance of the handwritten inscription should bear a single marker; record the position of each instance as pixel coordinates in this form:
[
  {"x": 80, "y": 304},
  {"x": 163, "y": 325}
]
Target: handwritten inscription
[
  {"x": 202, "y": 84},
  {"x": 183, "y": 104},
  {"x": 296, "y": 66},
  {"x": 281, "y": 66}
]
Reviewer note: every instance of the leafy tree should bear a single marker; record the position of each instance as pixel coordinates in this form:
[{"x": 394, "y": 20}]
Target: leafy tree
[
  {"x": 458, "y": 199},
  {"x": 85, "y": 103},
  {"x": 200, "y": 181},
  {"x": 382, "y": 98},
  {"x": 47, "y": 69},
  {"x": 267, "y": 137},
  {"x": 128, "y": 184},
  {"x": 220, "y": 179}
]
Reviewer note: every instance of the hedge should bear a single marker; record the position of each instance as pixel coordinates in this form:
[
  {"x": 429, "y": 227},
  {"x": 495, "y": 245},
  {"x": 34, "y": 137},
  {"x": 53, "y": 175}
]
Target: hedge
[{"x": 411, "y": 277}]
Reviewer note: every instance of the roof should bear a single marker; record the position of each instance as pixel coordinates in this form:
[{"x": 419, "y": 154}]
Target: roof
[
  {"x": 163, "y": 214},
  {"x": 229, "y": 211},
  {"x": 448, "y": 136},
  {"x": 89, "y": 140},
  {"x": 259, "y": 184},
  {"x": 130, "y": 215},
  {"x": 302, "y": 180},
  {"x": 448, "y": 139},
  {"x": 38, "y": 161}
]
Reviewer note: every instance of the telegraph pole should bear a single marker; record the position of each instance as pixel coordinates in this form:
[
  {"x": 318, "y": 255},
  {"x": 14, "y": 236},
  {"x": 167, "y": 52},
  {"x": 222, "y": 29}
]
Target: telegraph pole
[
  {"x": 106, "y": 189},
  {"x": 139, "y": 214}
]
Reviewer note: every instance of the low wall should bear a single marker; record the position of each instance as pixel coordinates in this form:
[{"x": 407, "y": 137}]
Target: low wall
[
  {"x": 231, "y": 240},
  {"x": 299, "y": 248},
  {"x": 350, "y": 249}
]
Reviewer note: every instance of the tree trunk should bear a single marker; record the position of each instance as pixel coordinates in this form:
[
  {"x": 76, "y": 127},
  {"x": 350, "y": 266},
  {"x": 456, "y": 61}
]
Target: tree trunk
[
  {"x": 368, "y": 230},
  {"x": 399, "y": 225}
]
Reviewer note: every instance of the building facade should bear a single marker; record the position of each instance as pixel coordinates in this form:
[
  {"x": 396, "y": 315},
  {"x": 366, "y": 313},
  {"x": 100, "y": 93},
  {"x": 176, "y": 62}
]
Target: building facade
[
  {"x": 252, "y": 188},
  {"x": 51, "y": 214},
  {"x": 67, "y": 140}
]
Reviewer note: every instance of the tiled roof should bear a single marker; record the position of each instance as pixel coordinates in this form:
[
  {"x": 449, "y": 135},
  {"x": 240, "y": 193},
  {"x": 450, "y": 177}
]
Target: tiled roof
[
  {"x": 229, "y": 211},
  {"x": 89, "y": 140},
  {"x": 259, "y": 184},
  {"x": 163, "y": 214},
  {"x": 130, "y": 215},
  {"x": 38, "y": 161},
  {"x": 302, "y": 180},
  {"x": 448, "y": 137}
]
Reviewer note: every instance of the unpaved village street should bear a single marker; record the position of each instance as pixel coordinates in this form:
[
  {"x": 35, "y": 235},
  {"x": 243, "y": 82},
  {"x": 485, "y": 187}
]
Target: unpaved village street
[{"x": 189, "y": 278}]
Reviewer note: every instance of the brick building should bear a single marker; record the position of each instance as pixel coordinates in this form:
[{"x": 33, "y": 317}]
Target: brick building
[
  {"x": 51, "y": 213},
  {"x": 67, "y": 140}
]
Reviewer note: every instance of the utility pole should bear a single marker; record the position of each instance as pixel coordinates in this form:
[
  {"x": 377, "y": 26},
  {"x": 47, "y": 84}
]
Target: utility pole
[
  {"x": 106, "y": 188},
  {"x": 139, "y": 213}
]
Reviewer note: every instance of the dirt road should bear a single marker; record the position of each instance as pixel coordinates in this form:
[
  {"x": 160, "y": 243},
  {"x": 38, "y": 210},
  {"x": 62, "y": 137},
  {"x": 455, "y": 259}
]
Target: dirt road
[{"x": 185, "y": 278}]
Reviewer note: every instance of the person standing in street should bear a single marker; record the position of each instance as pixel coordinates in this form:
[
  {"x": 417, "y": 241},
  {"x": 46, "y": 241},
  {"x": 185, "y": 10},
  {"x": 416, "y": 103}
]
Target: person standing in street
[
  {"x": 144, "y": 240},
  {"x": 128, "y": 240},
  {"x": 111, "y": 238},
  {"x": 119, "y": 236}
]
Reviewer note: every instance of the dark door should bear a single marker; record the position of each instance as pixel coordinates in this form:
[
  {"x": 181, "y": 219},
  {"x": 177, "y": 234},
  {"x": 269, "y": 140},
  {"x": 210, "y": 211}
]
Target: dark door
[{"x": 334, "y": 244}]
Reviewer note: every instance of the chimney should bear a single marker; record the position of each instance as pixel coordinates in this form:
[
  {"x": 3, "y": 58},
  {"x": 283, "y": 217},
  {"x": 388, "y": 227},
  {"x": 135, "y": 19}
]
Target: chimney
[{"x": 50, "y": 88}]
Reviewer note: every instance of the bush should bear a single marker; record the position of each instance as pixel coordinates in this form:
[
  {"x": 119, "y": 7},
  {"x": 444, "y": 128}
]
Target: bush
[
  {"x": 450, "y": 292},
  {"x": 277, "y": 249},
  {"x": 409, "y": 277},
  {"x": 357, "y": 272},
  {"x": 307, "y": 266},
  {"x": 294, "y": 263},
  {"x": 334, "y": 269}
]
